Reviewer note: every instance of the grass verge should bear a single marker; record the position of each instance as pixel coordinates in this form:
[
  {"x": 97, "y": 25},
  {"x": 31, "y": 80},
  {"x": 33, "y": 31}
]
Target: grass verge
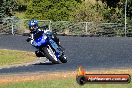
[
  {"x": 63, "y": 83},
  {"x": 57, "y": 80},
  {"x": 12, "y": 57}
]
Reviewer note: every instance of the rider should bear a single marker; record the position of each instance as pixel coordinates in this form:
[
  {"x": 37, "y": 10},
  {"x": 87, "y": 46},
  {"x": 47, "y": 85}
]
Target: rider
[{"x": 35, "y": 32}]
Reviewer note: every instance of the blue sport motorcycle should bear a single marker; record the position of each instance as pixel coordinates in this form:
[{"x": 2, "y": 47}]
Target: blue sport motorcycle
[{"x": 48, "y": 47}]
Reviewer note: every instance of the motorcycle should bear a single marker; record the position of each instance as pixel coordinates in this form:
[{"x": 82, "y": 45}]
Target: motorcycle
[{"x": 48, "y": 47}]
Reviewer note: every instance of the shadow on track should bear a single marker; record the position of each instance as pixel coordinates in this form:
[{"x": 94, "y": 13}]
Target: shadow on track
[
  {"x": 48, "y": 63},
  {"x": 43, "y": 64}
]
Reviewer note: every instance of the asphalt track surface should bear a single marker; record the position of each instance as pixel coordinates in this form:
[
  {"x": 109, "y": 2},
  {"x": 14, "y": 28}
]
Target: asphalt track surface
[{"x": 89, "y": 52}]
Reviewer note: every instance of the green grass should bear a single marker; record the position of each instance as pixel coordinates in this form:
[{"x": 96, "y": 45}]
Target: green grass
[
  {"x": 65, "y": 83},
  {"x": 11, "y": 57}
]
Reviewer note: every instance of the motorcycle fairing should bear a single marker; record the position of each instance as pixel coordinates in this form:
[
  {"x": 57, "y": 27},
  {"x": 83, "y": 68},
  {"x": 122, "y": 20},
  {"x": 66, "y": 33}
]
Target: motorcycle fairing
[
  {"x": 55, "y": 47},
  {"x": 43, "y": 39},
  {"x": 40, "y": 40}
]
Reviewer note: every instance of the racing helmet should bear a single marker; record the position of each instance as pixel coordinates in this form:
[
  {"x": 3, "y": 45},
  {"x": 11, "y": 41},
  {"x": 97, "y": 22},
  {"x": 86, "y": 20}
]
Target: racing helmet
[{"x": 33, "y": 24}]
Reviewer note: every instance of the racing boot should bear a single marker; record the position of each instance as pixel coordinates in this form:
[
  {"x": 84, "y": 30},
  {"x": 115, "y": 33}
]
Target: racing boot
[{"x": 39, "y": 54}]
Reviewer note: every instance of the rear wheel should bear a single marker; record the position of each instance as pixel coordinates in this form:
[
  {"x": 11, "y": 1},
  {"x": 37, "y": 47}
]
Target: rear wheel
[{"x": 50, "y": 54}]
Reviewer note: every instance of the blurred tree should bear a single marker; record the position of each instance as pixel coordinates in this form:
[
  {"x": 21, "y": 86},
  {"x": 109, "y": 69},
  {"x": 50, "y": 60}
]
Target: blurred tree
[
  {"x": 79, "y": 1},
  {"x": 129, "y": 9},
  {"x": 55, "y": 10},
  {"x": 87, "y": 12},
  {"x": 7, "y": 7},
  {"x": 22, "y": 5},
  {"x": 111, "y": 3}
]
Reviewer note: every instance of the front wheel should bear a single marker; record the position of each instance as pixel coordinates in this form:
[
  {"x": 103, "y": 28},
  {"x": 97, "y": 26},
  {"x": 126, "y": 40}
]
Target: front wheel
[
  {"x": 63, "y": 59},
  {"x": 50, "y": 54}
]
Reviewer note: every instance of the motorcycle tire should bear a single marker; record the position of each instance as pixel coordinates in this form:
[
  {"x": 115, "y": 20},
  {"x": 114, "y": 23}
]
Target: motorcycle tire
[
  {"x": 49, "y": 54},
  {"x": 63, "y": 59}
]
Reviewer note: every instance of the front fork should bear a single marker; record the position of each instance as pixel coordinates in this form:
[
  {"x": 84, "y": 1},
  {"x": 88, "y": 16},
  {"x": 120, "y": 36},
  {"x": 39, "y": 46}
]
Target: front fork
[{"x": 56, "y": 48}]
